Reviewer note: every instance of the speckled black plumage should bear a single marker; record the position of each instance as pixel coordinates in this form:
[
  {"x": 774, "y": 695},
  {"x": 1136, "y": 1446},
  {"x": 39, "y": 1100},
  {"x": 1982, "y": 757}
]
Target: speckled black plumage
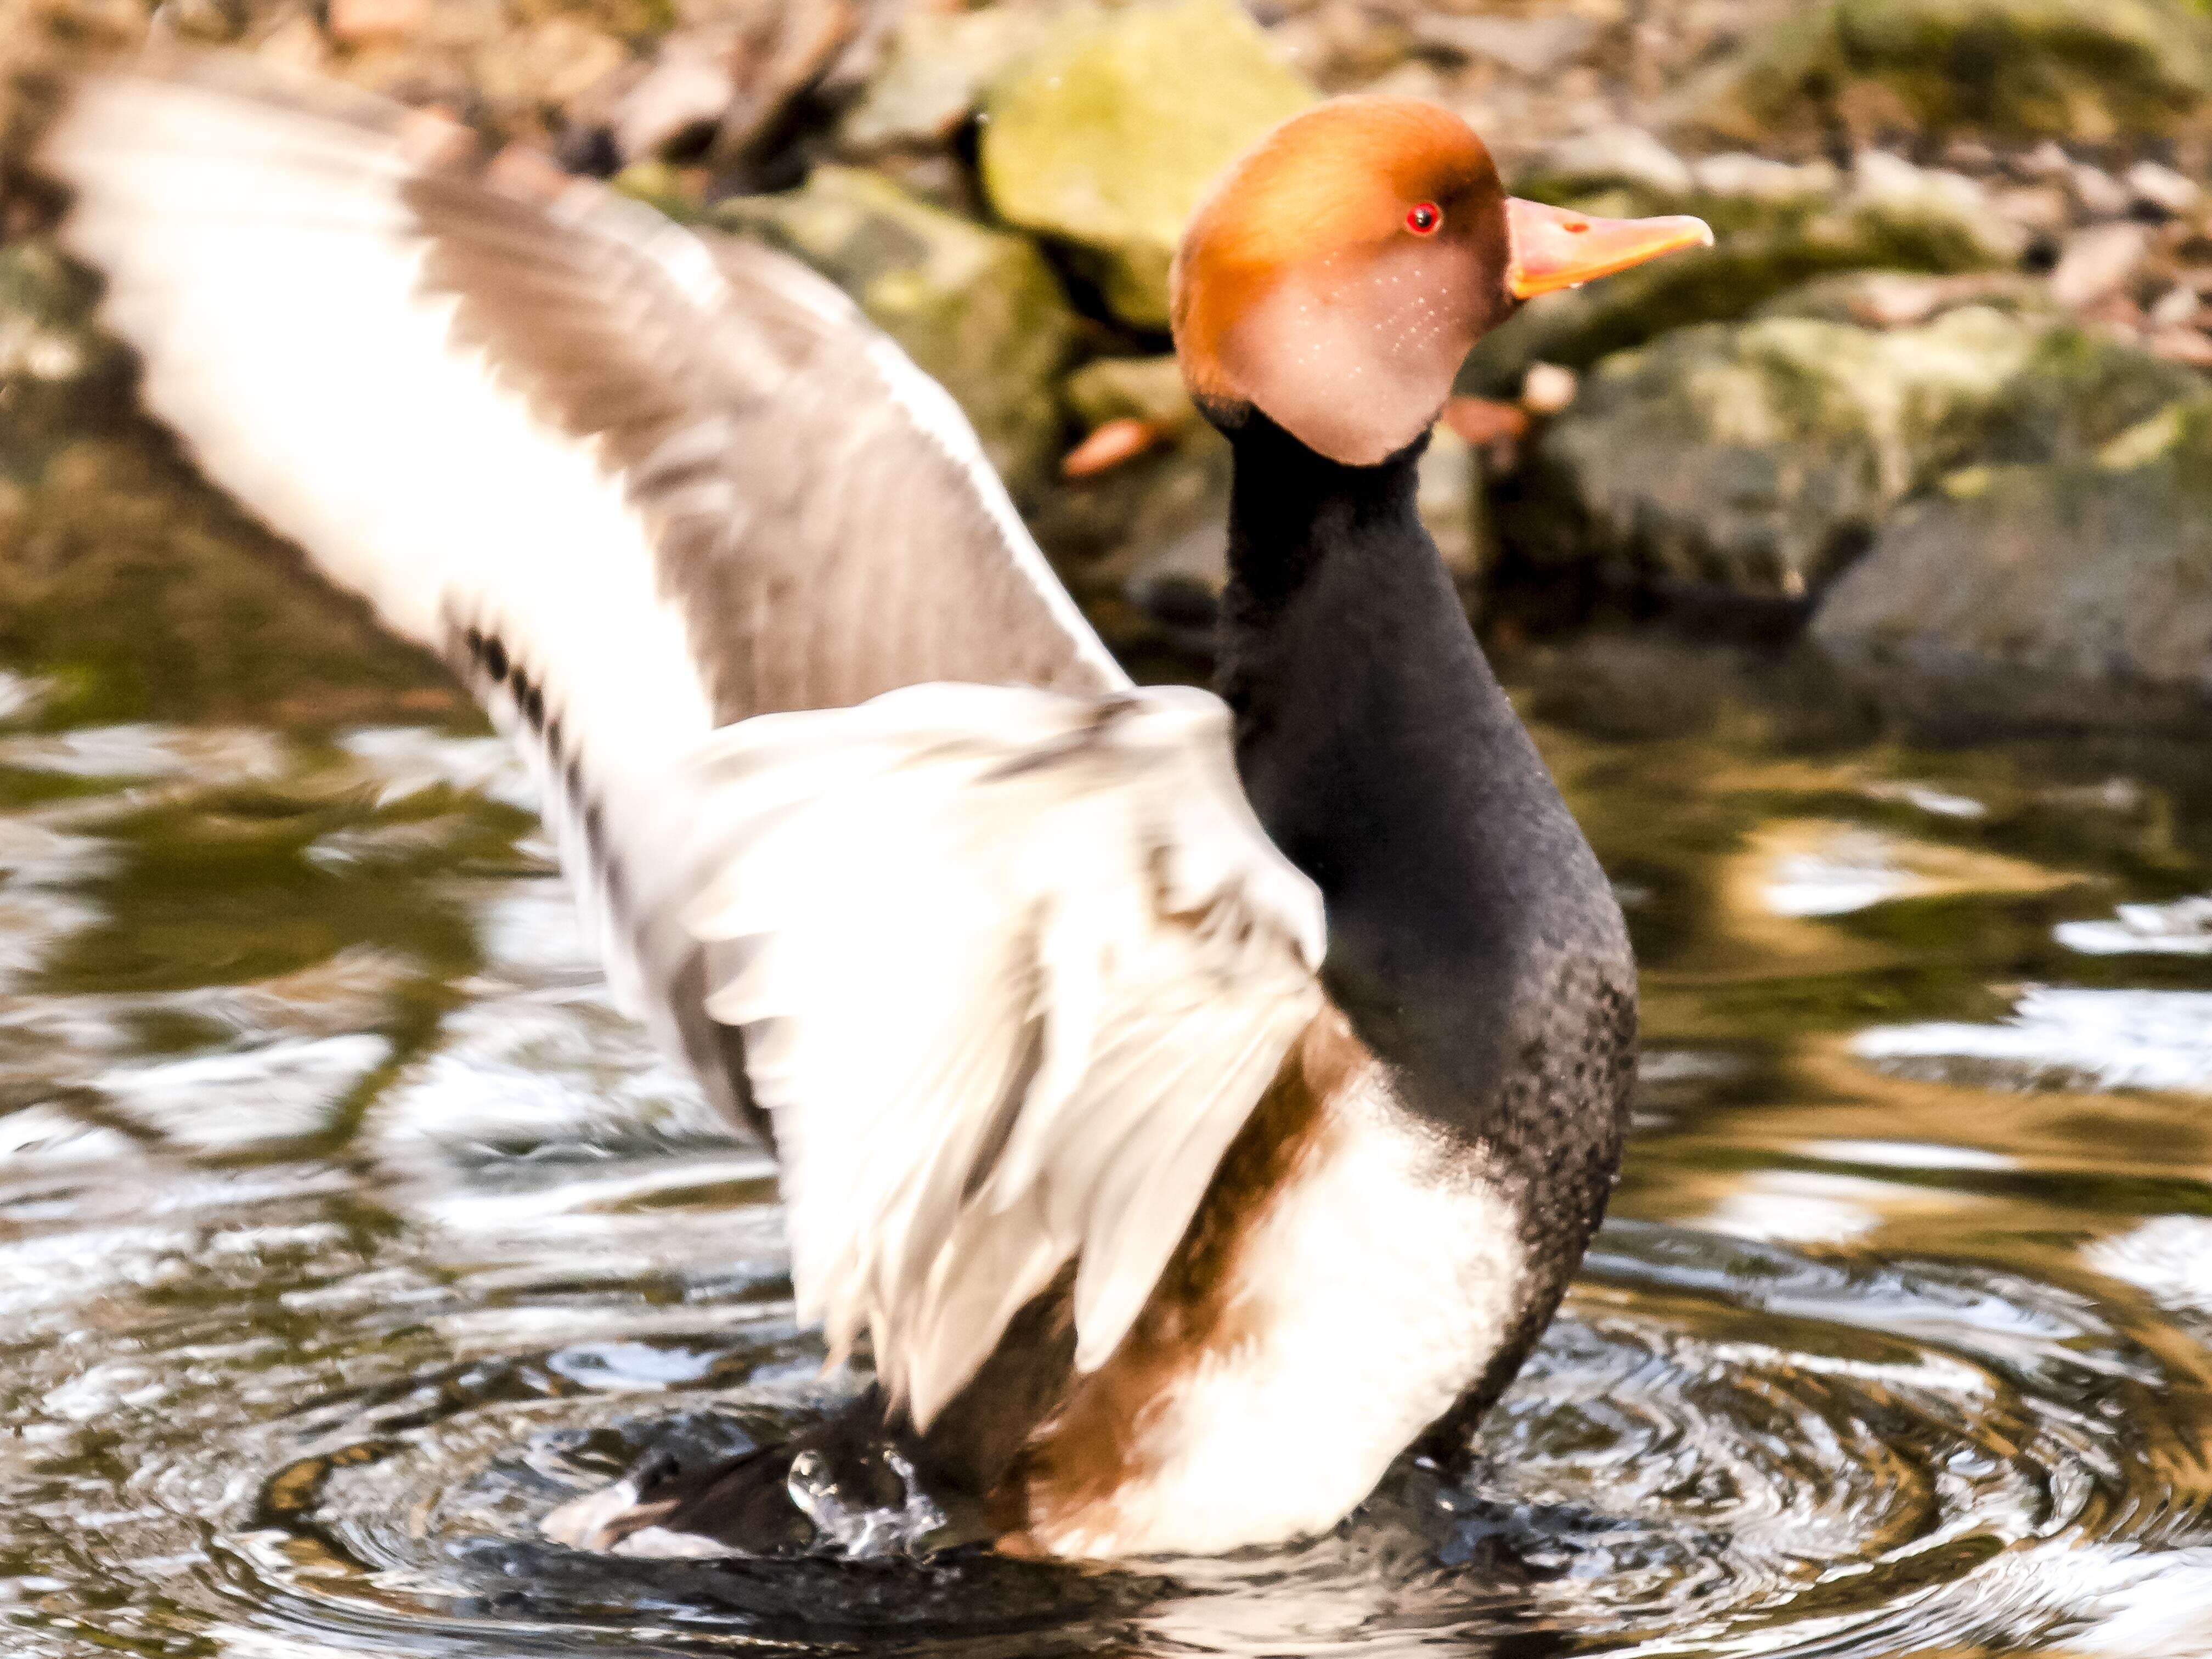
[{"x": 1474, "y": 944}]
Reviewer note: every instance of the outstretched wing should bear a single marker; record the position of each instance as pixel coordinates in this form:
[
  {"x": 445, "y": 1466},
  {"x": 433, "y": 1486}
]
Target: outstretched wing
[
  {"x": 1012, "y": 968},
  {"x": 636, "y": 482}
]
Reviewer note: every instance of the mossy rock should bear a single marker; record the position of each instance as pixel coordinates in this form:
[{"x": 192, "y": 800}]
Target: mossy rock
[
  {"x": 977, "y": 308},
  {"x": 1149, "y": 389},
  {"x": 2073, "y": 594},
  {"x": 1763, "y": 456},
  {"x": 1769, "y": 242},
  {"x": 2093, "y": 72},
  {"x": 934, "y": 73},
  {"x": 1893, "y": 298},
  {"x": 1107, "y": 136}
]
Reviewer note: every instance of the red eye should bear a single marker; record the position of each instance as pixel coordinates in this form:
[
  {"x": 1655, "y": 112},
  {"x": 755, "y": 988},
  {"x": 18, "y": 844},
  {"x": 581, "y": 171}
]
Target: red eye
[{"x": 1423, "y": 218}]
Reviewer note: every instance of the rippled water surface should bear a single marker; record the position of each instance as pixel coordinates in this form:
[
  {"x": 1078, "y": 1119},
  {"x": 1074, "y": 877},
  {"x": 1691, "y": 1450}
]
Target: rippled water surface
[{"x": 345, "y": 1228}]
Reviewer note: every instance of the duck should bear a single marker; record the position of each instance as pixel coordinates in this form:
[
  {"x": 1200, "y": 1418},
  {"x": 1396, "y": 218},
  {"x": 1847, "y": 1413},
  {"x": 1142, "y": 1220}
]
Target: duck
[{"x": 1185, "y": 1100}]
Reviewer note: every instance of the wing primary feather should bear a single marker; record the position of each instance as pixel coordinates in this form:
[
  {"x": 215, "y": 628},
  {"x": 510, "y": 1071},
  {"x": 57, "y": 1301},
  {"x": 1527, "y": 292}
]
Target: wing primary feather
[{"x": 668, "y": 471}]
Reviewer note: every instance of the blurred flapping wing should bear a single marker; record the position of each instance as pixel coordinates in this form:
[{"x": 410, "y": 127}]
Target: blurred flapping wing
[
  {"x": 634, "y": 482},
  {"x": 1012, "y": 968}
]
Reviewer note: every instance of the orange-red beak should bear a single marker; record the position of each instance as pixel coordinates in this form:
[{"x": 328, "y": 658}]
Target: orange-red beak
[{"x": 1554, "y": 248}]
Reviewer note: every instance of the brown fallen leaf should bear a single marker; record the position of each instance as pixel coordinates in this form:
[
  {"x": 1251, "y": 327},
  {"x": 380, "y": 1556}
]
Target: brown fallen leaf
[
  {"x": 526, "y": 175},
  {"x": 1484, "y": 421},
  {"x": 1108, "y": 446},
  {"x": 2181, "y": 345},
  {"x": 433, "y": 137},
  {"x": 358, "y": 21}
]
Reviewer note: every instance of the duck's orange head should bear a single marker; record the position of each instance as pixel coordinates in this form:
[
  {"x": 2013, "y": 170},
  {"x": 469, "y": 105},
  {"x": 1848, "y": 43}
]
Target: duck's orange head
[{"x": 1340, "y": 270}]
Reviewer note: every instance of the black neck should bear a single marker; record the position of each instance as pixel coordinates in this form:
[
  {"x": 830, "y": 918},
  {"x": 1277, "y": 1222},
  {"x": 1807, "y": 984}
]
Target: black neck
[{"x": 1386, "y": 763}]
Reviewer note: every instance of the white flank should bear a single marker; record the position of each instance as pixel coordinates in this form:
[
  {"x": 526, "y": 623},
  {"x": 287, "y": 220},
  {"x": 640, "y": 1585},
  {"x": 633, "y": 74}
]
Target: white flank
[{"x": 1377, "y": 1287}]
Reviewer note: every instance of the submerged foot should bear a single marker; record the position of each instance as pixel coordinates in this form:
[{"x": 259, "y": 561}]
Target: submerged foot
[{"x": 828, "y": 1491}]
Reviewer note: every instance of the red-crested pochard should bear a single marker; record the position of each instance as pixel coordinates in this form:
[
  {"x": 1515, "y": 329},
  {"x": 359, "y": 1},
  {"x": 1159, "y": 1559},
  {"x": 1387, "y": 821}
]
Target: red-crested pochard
[{"x": 1192, "y": 1099}]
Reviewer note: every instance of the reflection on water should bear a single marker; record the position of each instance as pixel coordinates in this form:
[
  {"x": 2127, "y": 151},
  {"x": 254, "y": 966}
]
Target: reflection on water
[{"x": 345, "y": 1228}]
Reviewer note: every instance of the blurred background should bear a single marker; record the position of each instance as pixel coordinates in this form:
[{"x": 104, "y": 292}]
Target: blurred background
[{"x": 1855, "y": 575}]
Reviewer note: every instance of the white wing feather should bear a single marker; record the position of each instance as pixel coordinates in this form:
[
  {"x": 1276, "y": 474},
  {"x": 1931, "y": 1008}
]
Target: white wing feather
[
  {"x": 678, "y": 480},
  {"x": 1013, "y": 968}
]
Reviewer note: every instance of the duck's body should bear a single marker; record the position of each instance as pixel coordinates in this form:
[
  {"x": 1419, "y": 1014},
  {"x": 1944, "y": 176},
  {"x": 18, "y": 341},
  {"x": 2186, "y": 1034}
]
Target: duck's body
[
  {"x": 1456, "y": 1116},
  {"x": 1402, "y": 1216},
  {"x": 1193, "y": 1114}
]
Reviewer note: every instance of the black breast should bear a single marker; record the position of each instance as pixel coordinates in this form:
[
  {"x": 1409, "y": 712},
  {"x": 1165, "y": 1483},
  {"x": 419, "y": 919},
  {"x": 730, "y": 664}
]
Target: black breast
[{"x": 1474, "y": 943}]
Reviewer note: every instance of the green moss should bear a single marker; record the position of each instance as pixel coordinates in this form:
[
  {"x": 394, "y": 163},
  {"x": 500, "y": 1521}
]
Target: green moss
[
  {"x": 934, "y": 72},
  {"x": 2092, "y": 71},
  {"x": 1766, "y": 455},
  {"x": 2077, "y": 591},
  {"x": 1107, "y": 136},
  {"x": 1766, "y": 248},
  {"x": 1142, "y": 388}
]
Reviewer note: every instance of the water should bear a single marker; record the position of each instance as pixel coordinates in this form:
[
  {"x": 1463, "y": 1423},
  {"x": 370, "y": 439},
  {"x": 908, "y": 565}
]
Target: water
[{"x": 345, "y": 1229}]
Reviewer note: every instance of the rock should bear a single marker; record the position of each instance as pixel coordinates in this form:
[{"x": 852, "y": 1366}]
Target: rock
[
  {"x": 2092, "y": 71},
  {"x": 212, "y": 22},
  {"x": 1764, "y": 456},
  {"x": 2155, "y": 186},
  {"x": 1149, "y": 389},
  {"x": 977, "y": 308},
  {"x": 688, "y": 89},
  {"x": 1347, "y": 45},
  {"x": 44, "y": 301},
  {"x": 1778, "y": 227},
  {"x": 1898, "y": 299},
  {"x": 1743, "y": 176},
  {"x": 2099, "y": 263},
  {"x": 1149, "y": 534},
  {"x": 2178, "y": 307},
  {"x": 783, "y": 49},
  {"x": 58, "y": 376},
  {"x": 1758, "y": 456},
  {"x": 1129, "y": 405},
  {"x": 2043, "y": 211},
  {"x": 1106, "y": 136},
  {"x": 2079, "y": 390},
  {"x": 933, "y": 76},
  {"x": 1548, "y": 389},
  {"x": 1889, "y": 190},
  {"x": 1608, "y": 157},
  {"x": 1969, "y": 154},
  {"x": 2191, "y": 346},
  {"x": 356, "y": 21},
  {"x": 1532, "y": 47},
  {"x": 679, "y": 192},
  {"x": 558, "y": 62},
  {"x": 2075, "y": 593},
  {"x": 2098, "y": 194}
]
